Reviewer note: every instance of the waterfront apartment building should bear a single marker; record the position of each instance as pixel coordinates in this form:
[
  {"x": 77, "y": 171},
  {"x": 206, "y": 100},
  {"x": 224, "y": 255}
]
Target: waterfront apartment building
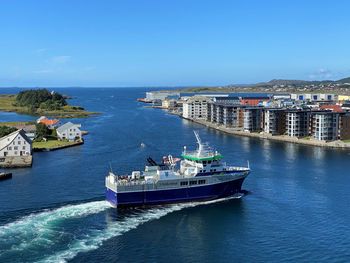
[
  {"x": 252, "y": 119},
  {"x": 344, "y": 126},
  {"x": 225, "y": 111},
  {"x": 15, "y": 144},
  {"x": 274, "y": 121},
  {"x": 195, "y": 108},
  {"x": 325, "y": 125},
  {"x": 297, "y": 122}
]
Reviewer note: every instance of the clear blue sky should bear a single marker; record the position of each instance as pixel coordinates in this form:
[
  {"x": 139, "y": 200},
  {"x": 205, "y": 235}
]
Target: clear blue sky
[{"x": 171, "y": 43}]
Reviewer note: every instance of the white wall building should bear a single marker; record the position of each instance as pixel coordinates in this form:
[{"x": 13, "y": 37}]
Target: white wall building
[
  {"x": 15, "y": 144},
  {"x": 326, "y": 126},
  {"x": 168, "y": 104},
  {"x": 69, "y": 131},
  {"x": 297, "y": 123},
  {"x": 312, "y": 97},
  {"x": 160, "y": 95},
  {"x": 195, "y": 108}
]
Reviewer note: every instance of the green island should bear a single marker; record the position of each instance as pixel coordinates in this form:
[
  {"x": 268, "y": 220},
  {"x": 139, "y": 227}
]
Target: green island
[{"x": 41, "y": 102}]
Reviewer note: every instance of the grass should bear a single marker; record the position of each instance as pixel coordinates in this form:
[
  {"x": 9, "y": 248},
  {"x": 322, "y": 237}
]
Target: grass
[
  {"x": 51, "y": 144},
  {"x": 346, "y": 141},
  {"x": 7, "y": 104}
]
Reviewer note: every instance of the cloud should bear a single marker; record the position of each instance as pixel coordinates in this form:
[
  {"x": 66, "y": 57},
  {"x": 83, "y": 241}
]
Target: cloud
[
  {"x": 322, "y": 74},
  {"x": 60, "y": 59},
  {"x": 40, "y": 50}
]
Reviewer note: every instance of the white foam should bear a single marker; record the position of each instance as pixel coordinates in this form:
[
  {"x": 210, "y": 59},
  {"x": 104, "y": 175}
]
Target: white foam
[
  {"x": 39, "y": 228},
  {"x": 117, "y": 228}
]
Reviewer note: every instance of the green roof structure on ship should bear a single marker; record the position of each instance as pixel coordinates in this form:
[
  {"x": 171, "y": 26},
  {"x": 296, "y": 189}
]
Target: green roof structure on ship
[{"x": 195, "y": 158}]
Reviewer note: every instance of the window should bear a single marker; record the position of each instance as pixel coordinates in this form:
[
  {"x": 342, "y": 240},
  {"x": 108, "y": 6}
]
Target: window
[
  {"x": 193, "y": 182},
  {"x": 201, "y": 181},
  {"x": 23, "y": 148},
  {"x": 9, "y": 148},
  {"x": 183, "y": 183},
  {"x": 15, "y": 148},
  {"x": 19, "y": 142}
]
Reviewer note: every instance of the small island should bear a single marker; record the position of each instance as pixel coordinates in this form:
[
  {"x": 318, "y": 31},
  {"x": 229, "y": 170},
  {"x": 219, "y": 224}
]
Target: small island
[{"x": 41, "y": 102}]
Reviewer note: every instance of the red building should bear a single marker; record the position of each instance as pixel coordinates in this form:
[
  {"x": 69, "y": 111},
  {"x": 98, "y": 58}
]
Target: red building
[
  {"x": 332, "y": 107},
  {"x": 253, "y": 101}
]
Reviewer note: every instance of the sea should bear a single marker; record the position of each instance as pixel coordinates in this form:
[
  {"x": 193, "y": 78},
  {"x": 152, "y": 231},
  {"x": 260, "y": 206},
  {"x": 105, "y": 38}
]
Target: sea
[{"x": 296, "y": 209}]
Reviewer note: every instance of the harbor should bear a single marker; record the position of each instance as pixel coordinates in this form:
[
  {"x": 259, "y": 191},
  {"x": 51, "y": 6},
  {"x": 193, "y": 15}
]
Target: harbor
[
  {"x": 310, "y": 119},
  {"x": 63, "y": 194}
]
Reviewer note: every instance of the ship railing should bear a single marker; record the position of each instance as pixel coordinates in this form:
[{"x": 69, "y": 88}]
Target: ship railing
[
  {"x": 137, "y": 182},
  {"x": 202, "y": 154}
]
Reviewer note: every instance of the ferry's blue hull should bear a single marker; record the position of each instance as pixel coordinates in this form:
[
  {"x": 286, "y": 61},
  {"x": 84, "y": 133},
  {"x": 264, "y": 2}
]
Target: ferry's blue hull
[{"x": 186, "y": 194}]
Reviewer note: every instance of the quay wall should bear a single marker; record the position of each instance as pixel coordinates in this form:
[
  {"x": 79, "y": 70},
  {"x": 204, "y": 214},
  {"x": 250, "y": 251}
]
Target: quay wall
[{"x": 281, "y": 138}]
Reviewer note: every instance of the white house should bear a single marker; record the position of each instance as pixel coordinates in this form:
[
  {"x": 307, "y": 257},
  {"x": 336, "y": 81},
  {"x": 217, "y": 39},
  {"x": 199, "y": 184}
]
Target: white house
[
  {"x": 69, "y": 131},
  {"x": 15, "y": 144}
]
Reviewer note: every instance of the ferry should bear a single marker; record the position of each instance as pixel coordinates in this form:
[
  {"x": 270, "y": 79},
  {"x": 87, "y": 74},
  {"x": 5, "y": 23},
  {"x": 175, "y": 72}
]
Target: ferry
[{"x": 199, "y": 176}]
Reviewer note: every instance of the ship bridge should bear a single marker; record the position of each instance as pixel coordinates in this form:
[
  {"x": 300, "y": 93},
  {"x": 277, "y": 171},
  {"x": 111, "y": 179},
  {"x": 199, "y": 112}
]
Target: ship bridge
[{"x": 203, "y": 152}]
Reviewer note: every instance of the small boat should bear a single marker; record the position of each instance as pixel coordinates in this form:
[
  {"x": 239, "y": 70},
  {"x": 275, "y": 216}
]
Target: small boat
[
  {"x": 143, "y": 145},
  {"x": 4, "y": 176}
]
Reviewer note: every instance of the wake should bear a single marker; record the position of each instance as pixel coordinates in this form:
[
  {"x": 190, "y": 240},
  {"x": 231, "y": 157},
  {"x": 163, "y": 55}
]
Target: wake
[{"x": 46, "y": 236}]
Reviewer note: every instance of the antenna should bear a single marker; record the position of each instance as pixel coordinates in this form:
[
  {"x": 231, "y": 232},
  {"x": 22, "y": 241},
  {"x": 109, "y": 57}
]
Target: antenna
[
  {"x": 197, "y": 137},
  {"x": 248, "y": 164},
  {"x": 200, "y": 146},
  {"x": 110, "y": 167}
]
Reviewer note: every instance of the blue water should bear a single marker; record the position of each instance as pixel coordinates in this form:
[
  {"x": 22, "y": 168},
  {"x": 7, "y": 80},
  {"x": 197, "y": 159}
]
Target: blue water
[{"x": 297, "y": 209}]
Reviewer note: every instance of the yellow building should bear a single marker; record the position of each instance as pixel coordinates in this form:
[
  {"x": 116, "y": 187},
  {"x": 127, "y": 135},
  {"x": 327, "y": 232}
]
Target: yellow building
[{"x": 343, "y": 97}]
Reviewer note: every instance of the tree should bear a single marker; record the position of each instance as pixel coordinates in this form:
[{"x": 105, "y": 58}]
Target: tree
[
  {"x": 42, "y": 131},
  {"x": 5, "y": 130},
  {"x": 40, "y": 98}
]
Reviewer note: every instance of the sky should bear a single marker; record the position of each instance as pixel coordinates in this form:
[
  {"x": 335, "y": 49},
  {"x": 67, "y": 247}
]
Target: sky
[{"x": 129, "y": 43}]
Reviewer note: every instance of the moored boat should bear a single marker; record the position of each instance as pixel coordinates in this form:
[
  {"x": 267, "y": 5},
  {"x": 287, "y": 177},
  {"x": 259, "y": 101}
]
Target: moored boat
[
  {"x": 4, "y": 176},
  {"x": 201, "y": 176}
]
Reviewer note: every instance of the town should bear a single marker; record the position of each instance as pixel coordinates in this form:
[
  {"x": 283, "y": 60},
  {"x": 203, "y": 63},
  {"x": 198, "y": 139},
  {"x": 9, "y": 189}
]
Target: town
[
  {"x": 307, "y": 118},
  {"x": 19, "y": 139}
]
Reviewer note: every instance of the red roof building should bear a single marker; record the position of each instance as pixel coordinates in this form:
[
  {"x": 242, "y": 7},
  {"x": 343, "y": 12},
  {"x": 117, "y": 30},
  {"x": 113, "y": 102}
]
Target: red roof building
[{"x": 332, "y": 107}]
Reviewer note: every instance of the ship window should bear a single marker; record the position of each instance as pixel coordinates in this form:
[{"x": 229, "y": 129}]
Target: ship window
[
  {"x": 204, "y": 162},
  {"x": 184, "y": 183},
  {"x": 209, "y": 161},
  {"x": 201, "y": 181},
  {"x": 193, "y": 182}
]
